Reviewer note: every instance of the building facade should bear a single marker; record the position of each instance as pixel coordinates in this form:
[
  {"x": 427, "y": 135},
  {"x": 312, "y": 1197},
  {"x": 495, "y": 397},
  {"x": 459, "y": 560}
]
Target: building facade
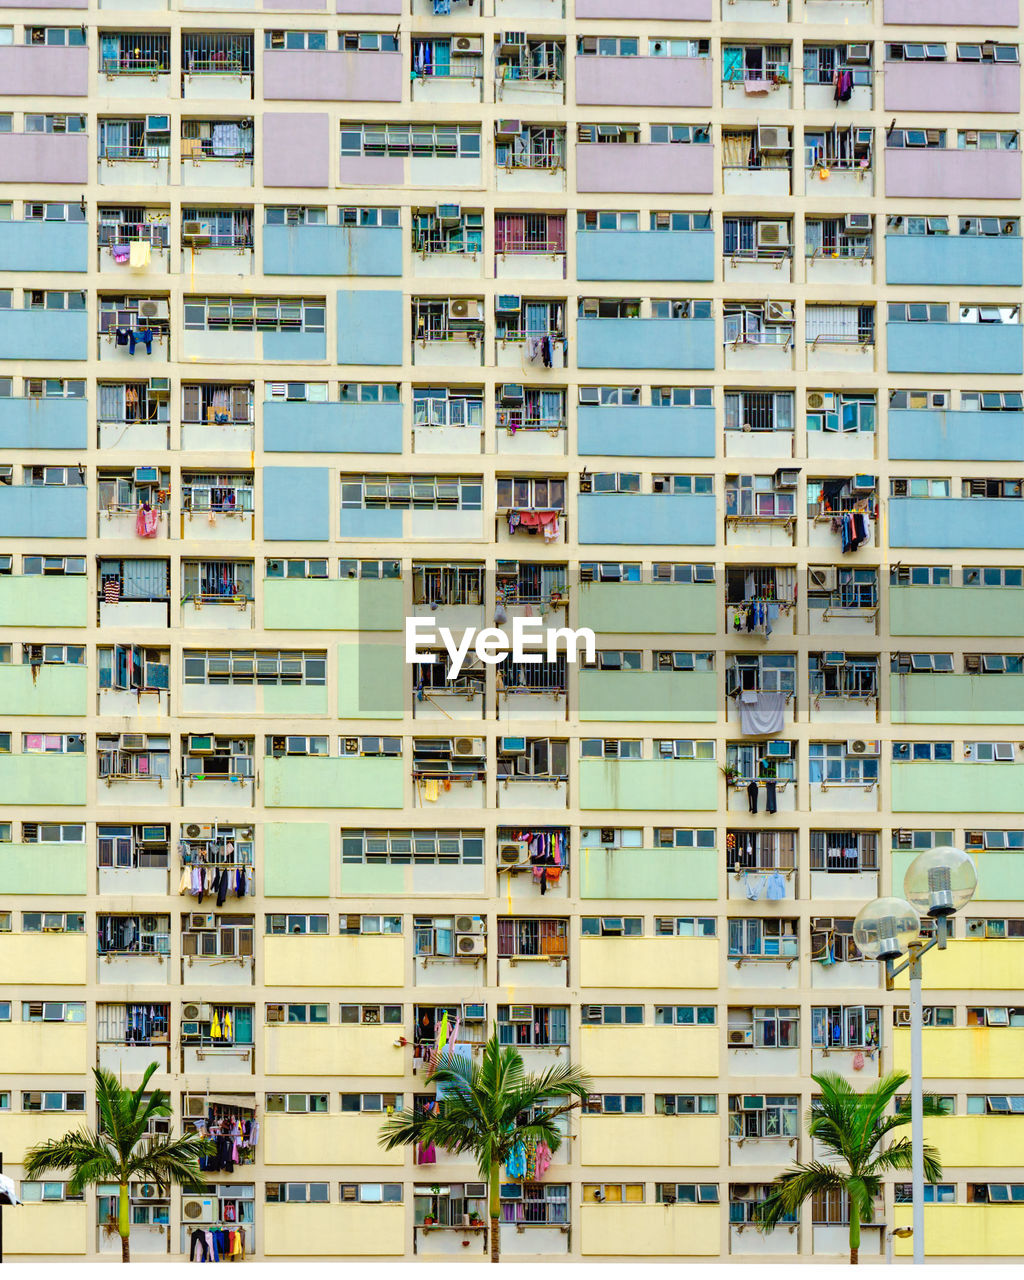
[{"x": 338, "y": 318}]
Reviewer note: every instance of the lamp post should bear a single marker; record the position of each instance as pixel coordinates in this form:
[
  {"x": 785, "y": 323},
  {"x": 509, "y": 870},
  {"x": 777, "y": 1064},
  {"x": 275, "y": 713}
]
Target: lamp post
[{"x": 937, "y": 884}]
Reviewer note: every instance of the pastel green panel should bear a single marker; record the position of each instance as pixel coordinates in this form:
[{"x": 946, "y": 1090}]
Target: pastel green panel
[
  {"x": 956, "y": 611},
  {"x": 648, "y": 873},
  {"x": 332, "y": 604},
  {"x": 659, "y": 696},
  {"x": 1000, "y": 875},
  {"x": 44, "y": 602},
  {"x": 44, "y": 868},
  {"x": 359, "y": 879},
  {"x": 44, "y": 779},
  {"x": 351, "y": 782},
  {"x": 953, "y": 698},
  {"x": 294, "y": 699},
  {"x": 662, "y": 785},
  {"x": 54, "y": 691},
  {"x": 372, "y": 680},
  {"x": 949, "y": 787},
  {"x": 296, "y": 859},
  {"x": 647, "y": 607}
]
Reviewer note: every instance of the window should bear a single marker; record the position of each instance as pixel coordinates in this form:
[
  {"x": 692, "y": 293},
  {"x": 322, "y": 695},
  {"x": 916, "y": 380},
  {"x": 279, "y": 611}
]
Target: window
[
  {"x": 989, "y": 226},
  {"x": 932, "y": 138},
  {"x": 982, "y": 140},
  {"x": 311, "y": 1014},
  {"x": 52, "y": 922},
  {"x": 608, "y": 1015},
  {"x": 832, "y": 940},
  {"x": 525, "y": 938},
  {"x": 298, "y": 924},
  {"x": 991, "y": 488},
  {"x": 913, "y": 751},
  {"x": 295, "y": 216},
  {"x": 611, "y": 748},
  {"x": 53, "y": 124},
  {"x": 297, "y": 1193},
  {"x": 59, "y": 1101},
  {"x": 844, "y": 851},
  {"x": 685, "y": 1104},
  {"x": 757, "y": 497},
  {"x": 370, "y": 1014},
  {"x": 53, "y": 1011},
  {"x": 614, "y": 1104},
  {"x": 919, "y": 487},
  {"x": 389, "y": 139},
  {"x": 432, "y": 234},
  {"x": 53, "y": 743},
  {"x": 419, "y": 492},
  {"x": 743, "y": 1204},
  {"x": 353, "y": 1103},
  {"x": 397, "y": 848},
  {"x": 685, "y": 1015},
  {"x": 934, "y": 1192},
  {"x": 613, "y": 1193},
  {"x": 913, "y": 52},
  {"x": 540, "y": 1026},
  {"x": 284, "y": 315},
  {"x": 995, "y": 1104},
  {"x": 763, "y": 1028},
  {"x": 370, "y": 1192},
  {"x": 1000, "y": 927},
  {"x": 66, "y": 476},
  {"x": 845, "y": 1027},
  {"x": 608, "y": 46},
  {"x": 678, "y": 133},
  {"x": 759, "y": 411},
  {"x": 295, "y": 40},
  {"x": 681, "y": 309},
  {"x": 534, "y": 1203},
  {"x": 298, "y": 1103},
  {"x": 994, "y": 839},
  {"x": 919, "y": 312},
  {"x": 611, "y": 926},
  {"x": 686, "y": 1193},
  {"x": 685, "y": 926},
  {"x": 529, "y": 232},
  {"x": 530, "y": 493},
  {"x": 760, "y": 1115},
  {"x": 367, "y": 217},
  {"x": 246, "y": 666},
  {"x": 228, "y": 1025},
  {"x": 758, "y": 939},
  {"x": 447, "y": 407},
  {"x": 31, "y": 1192}
]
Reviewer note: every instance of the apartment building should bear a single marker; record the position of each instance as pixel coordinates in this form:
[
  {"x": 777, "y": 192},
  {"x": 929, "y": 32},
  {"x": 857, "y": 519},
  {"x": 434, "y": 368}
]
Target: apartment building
[{"x": 400, "y": 308}]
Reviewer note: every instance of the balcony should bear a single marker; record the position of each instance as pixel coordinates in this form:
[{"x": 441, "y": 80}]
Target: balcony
[
  {"x": 932, "y": 86},
  {"x": 44, "y": 71},
  {"x": 40, "y": 511},
  {"x": 662, "y": 785},
  {"x": 956, "y": 522},
  {"x": 317, "y": 961},
  {"x": 658, "y": 168},
  {"x": 630, "y": 519},
  {"x": 641, "y": 1052},
  {"x": 953, "y": 611},
  {"x": 332, "y": 251},
  {"x": 54, "y": 690},
  {"x": 954, "y": 348},
  {"x": 648, "y": 608},
  {"x": 968, "y": 260},
  {"x": 344, "y": 604},
  {"x": 332, "y": 75},
  {"x": 648, "y": 696},
  {"x": 38, "y": 158},
  {"x": 645, "y": 255},
  {"x": 952, "y": 174},
  {"x": 651, "y": 1230},
  {"x": 609, "y": 343},
  {"x": 43, "y": 246},
  {"x": 964, "y": 786},
  {"x": 952, "y": 435},
  {"x": 361, "y": 782},
  {"x": 32, "y": 334},
  {"x": 643, "y": 82},
  {"x": 39, "y": 422}
]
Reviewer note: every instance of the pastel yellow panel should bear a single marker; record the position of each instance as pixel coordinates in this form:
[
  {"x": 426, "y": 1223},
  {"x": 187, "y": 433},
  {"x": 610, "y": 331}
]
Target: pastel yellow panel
[
  {"x": 650, "y": 1230},
  {"x": 650, "y": 1051},
  {"x": 966, "y": 1230},
  {"x": 39, "y": 959},
  {"x": 309, "y": 960},
  {"x": 23, "y": 1129},
  {"x": 682, "y": 1141},
  {"x": 45, "y": 1229},
  {"x": 333, "y": 1230},
  {"x": 323, "y": 1140},
  {"x": 43, "y": 1048},
  {"x": 973, "y": 964},
  {"x": 966, "y": 1141},
  {"x": 661, "y": 963},
  {"x": 960, "y": 1053},
  {"x": 335, "y": 1051}
]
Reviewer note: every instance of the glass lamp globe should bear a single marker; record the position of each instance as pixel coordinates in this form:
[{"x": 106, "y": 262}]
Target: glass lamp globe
[
  {"x": 940, "y": 881},
  {"x": 885, "y": 928}
]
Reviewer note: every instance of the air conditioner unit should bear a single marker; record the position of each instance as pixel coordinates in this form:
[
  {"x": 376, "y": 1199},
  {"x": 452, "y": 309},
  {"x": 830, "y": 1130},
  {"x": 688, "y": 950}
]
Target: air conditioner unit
[
  {"x": 448, "y": 213},
  {"x": 787, "y": 477},
  {"x": 774, "y": 137},
  {"x": 153, "y": 835},
  {"x": 133, "y": 741},
  {"x": 863, "y": 747},
  {"x": 466, "y": 944},
  {"x": 467, "y": 748},
  {"x": 513, "y": 853},
  {"x": 198, "y": 1209},
  {"x": 506, "y": 130},
  {"x": 863, "y": 484},
  {"x": 858, "y": 53},
  {"x": 158, "y": 124},
  {"x": 511, "y": 746},
  {"x": 1003, "y": 750},
  {"x": 670, "y": 1105},
  {"x": 899, "y": 488},
  {"x": 740, "y": 1036},
  {"x": 772, "y": 235},
  {"x": 475, "y": 1190},
  {"x": 194, "y": 1106},
  {"x": 196, "y": 1012},
  {"x": 520, "y": 1013},
  {"x": 833, "y": 658},
  {"x": 823, "y": 578},
  {"x": 195, "y": 233},
  {"x": 858, "y": 222},
  {"x": 199, "y": 831},
  {"x": 202, "y": 920},
  {"x": 819, "y": 400},
  {"x": 200, "y": 744},
  {"x": 901, "y": 1017},
  {"x": 474, "y": 1012},
  {"x": 778, "y": 750},
  {"x": 589, "y": 395},
  {"x": 510, "y": 41},
  {"x": 507, "y": 304},
  {"x": 938, "y": 400},
  {"x": 465, "y": 309},
  {"x": 778, "y": 311},
  {"x": 239, "y": 747},
  {"x": 512, "y": 393},
  {"x": 752, "y": 1102},
  {"x": 153, "y": 308},
  {"x": 470, "y": 924},
  {"x": 468, "y": 44}
]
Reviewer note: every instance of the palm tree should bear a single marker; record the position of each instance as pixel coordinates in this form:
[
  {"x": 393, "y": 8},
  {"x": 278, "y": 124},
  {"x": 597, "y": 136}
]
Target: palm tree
[
  {"x": 851, "y": 1126},
  {"x": 482, "y": 1112},
  {"x": 120, "y": 1150}
]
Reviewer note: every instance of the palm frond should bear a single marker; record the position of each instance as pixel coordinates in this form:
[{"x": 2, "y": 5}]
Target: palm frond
[
  {"x": 68, "y": 1152},
  {"x": 899, "y": 1155},
  {"x": 792, "y": 1187}
]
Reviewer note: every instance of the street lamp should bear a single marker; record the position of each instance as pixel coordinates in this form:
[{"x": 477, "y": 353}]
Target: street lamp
[{"x": 937, "y": 884}]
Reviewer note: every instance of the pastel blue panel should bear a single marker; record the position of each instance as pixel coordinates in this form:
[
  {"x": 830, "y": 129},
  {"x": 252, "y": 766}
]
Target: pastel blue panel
[
  {"x": 44, "y": 246},
  {"x": 295, "y": 427},
  {"x": 636, "y": 431},
  {"x": 956, "y": 435},
  {"x": 370, "y": 326},
  {"x": 297, "y": 348},
  {"x": 297, "y": 504},
  {"x": 637, "y": 518},
  {"x": 356, "y": 523},
  {"x": 645, "y": 344},
  {"x": 645, "y": 255},
  {"x": 38, "y": 423},
  {"x": 44, "y": 335},
  {"x": 953, "y": 260},
  {"x": 332, "y": 251},
  {"x": 954, "y": 348},
  {"x": 43, "y": 511},
  {"x": 956, "y": 522}
]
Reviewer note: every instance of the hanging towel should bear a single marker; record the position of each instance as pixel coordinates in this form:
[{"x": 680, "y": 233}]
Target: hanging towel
[
  {"x": 431, "y": 790},
  {"x": 215, "y": 1027},
  {"x": 766, "y": 715},
  {"x": 543, "y": 1154},
  {"x": 776, "y": 889},
  {"x": 139, "y": 254},
  {"x": 226, "y": 1028}
]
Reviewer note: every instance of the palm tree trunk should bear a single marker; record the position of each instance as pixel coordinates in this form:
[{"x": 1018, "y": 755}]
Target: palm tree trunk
[
  {"x": 123, "y": 1221},
  {"x": 495, "y": 1213},
  {"x": 854, "y": 1237}
]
